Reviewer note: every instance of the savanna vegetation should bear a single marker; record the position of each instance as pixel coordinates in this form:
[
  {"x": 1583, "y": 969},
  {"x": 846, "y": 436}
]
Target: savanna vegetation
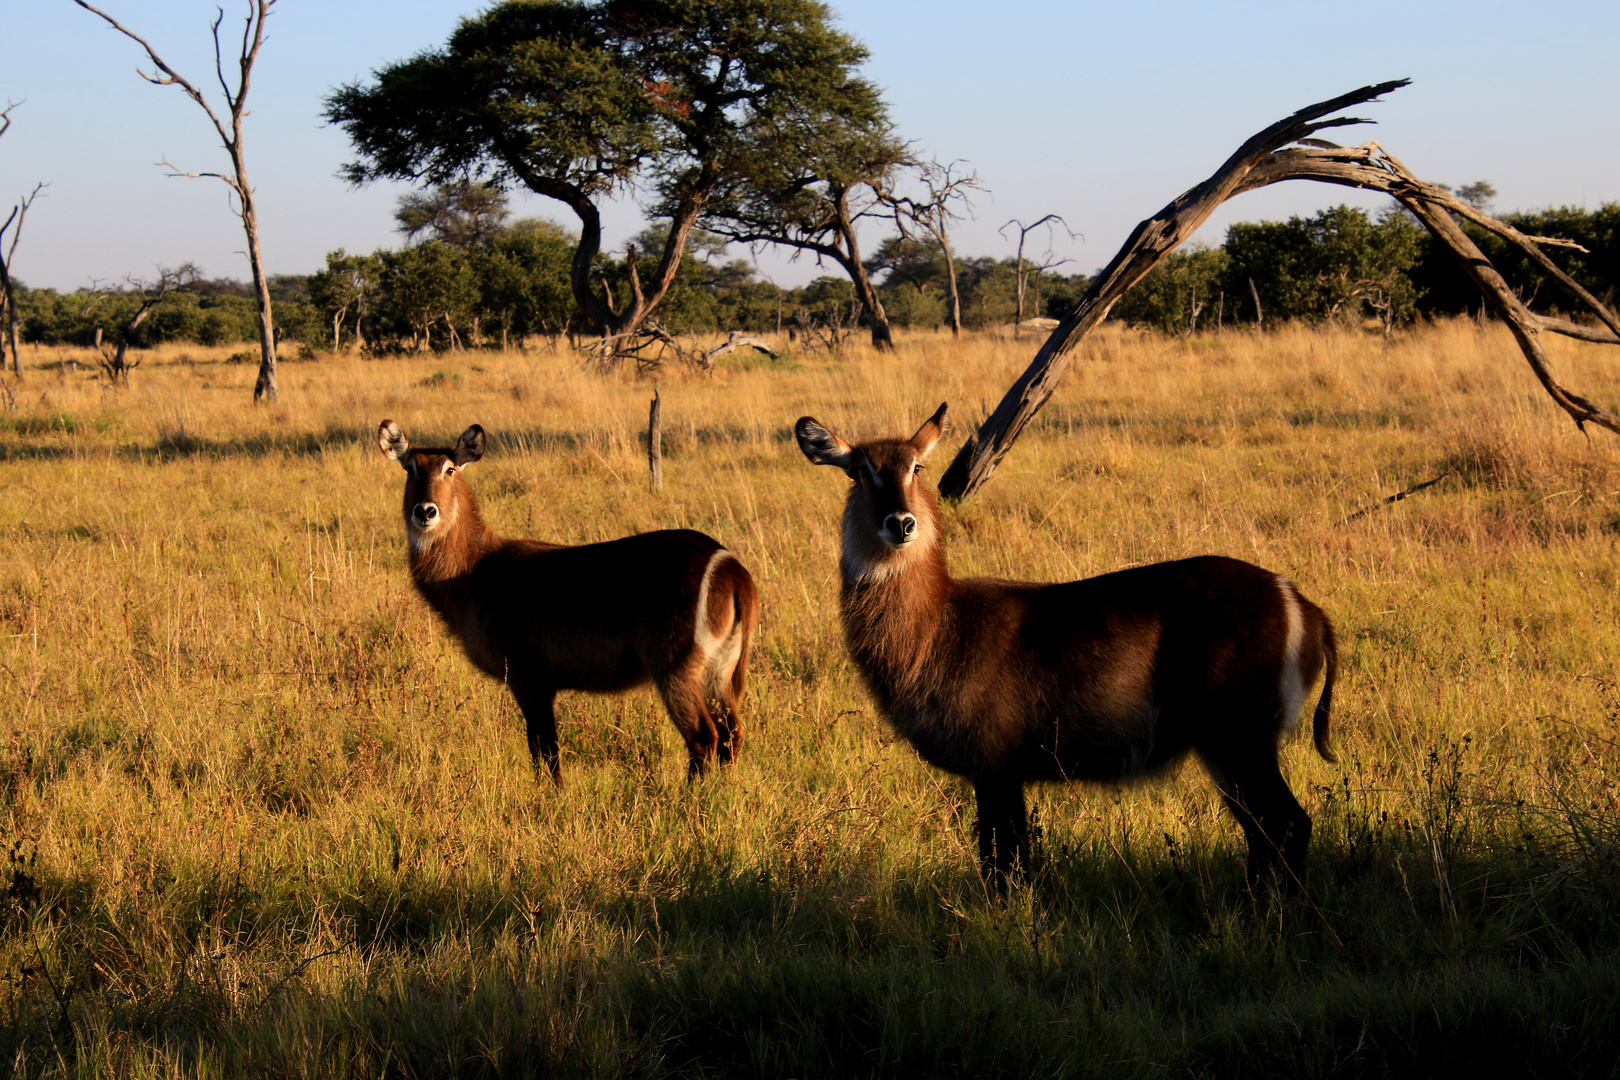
[{"x": 261, "y": 818}]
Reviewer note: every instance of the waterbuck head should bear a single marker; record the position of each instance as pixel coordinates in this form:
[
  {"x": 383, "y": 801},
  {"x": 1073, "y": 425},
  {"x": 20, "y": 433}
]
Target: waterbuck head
[
  {"x": 890, "y": 518},
  {"x": 436, "y": 496}
]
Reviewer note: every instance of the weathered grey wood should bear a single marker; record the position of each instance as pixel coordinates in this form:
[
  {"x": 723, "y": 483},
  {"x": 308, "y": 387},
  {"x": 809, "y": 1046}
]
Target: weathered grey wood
[
  {"x": 1151, "y": 241},
  {"x": 740, "y": 340},
  {"x": 1286, "y": 151},
  {"x": 655, "y": 444}
]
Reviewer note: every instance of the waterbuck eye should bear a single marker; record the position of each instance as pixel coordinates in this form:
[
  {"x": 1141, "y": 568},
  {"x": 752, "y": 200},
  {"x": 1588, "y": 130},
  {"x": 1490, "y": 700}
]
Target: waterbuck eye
[{"x": 917, "y": 468}]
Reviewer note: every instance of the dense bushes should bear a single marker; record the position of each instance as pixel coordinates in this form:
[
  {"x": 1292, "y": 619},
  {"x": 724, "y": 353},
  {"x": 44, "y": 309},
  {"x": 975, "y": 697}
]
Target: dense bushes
[
  {"x": 1341, "y": 264},
  {"x": 1344, "y": 264}
]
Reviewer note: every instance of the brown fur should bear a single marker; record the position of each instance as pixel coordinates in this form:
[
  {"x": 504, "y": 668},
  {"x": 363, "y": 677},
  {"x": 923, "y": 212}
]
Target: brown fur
[
  {"x": 598, "y": 617},
  {"x": 1007, "y": 682}
]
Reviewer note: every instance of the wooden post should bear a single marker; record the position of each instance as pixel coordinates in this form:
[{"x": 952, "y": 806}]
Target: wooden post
[{"x": 655, "y": 443}]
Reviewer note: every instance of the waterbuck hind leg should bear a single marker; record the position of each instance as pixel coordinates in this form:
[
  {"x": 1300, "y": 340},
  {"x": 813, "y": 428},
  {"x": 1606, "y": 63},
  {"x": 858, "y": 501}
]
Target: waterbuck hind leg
[
  {"x": 729, "y": 728},
  {"x": 1277, "y": 828},
  {"x": 539, "y": 707},
  {"x": 691, "y": 717},
  {"x": 1004, "y": 855}
]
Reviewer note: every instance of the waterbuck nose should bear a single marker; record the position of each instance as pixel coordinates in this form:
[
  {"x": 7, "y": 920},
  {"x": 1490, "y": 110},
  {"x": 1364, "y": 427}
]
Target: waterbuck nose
[
  {"x": 904, "y": 525},
  {"x": 425, "y": 513}
]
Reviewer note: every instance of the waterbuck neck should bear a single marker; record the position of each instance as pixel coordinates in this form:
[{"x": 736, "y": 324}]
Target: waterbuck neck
[
  {"x": 450, "y": 556},
  {"x": 894, "y": 611}
]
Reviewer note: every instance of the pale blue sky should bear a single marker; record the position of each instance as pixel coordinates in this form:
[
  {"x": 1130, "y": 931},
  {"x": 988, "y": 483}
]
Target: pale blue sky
[{"x": 1101, "y": 113}]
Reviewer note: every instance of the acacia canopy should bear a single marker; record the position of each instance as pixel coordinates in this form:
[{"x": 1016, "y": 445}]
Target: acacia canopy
[{"x": 576, "y": 101}]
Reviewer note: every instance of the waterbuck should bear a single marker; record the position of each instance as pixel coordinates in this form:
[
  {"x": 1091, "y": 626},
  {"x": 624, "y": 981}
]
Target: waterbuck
[
  {"x": 673, "y": 608},
  {"x": 1007, "y": 682}
]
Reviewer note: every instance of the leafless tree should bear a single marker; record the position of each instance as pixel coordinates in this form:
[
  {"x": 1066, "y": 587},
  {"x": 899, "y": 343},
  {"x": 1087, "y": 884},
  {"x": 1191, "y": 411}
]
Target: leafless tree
[
  {"x": 8, "y": 294},
  {"x": 934, "y": 214},
  {"x": 230, "y": 136},
  {"x": 1048, "y": 261},
  {"x": 114, "y": 362},
  {"x": 1288, "y": 150}
]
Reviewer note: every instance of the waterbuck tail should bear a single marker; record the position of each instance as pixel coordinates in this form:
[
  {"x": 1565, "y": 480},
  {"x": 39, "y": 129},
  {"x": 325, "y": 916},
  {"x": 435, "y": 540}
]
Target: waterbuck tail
[{"x": 1319, "y": 722}]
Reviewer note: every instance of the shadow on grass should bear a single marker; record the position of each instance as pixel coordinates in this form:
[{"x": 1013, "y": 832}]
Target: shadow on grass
[{"x": 1115, "y": 966}]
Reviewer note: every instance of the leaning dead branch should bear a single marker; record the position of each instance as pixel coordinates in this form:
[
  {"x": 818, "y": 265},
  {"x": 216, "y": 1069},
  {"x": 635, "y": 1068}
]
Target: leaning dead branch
[{"x": 1288, "y": 150}]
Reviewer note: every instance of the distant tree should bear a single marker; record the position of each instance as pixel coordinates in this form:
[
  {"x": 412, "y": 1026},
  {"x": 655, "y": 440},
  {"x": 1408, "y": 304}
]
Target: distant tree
[
  {"x": 1031, "y": 270},
  {"x": 523, "y": 280},
  {"x": 1177, "y": 292},
  {"x": 231, "y": 137},
  {"x": 1479, "y": 194},
  {"x": 944, "y": 200},
  {"x": 815, "y": 200},
  {"x": 8, "y": 293},
  {"x": 347, "y": 285},
  {"x": 576, "y": 101},
  {"x": 430, "y": 285},
  {"x": 463, "y": 214},
  {"x": 1338, "y": 263},
  {"x": 115, "y": 363}
]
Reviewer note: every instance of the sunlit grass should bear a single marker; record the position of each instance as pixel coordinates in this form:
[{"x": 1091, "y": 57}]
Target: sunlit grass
[{"x": 260, "y": 816}]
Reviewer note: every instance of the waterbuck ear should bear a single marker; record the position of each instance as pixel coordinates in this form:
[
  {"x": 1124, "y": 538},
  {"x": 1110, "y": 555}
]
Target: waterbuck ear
[
  {"x": 933, "y": 430},
  {"x": 822, "y": 447},
  {"x": 470, "y": 447},
  {"x": 392, "y": 442}
]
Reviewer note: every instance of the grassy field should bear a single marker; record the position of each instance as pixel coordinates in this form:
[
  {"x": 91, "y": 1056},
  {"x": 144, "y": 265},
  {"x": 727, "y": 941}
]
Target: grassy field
[{"x": 260, "y": 817}]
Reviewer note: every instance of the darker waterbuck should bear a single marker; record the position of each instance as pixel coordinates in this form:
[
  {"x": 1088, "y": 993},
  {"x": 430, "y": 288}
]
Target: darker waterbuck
[
  {"x": 1005, "y": 682},
  {"x": 673, "y": 608}
]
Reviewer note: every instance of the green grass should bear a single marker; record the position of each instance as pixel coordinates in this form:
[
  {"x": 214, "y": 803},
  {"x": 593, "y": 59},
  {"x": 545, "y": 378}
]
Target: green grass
[{"x": 259, "y": 817}]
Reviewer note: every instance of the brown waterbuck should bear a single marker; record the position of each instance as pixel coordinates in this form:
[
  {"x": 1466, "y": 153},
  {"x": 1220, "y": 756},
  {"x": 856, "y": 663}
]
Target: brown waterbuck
[
  {"x": 1007, "y": 682},
  {"x": 673, "y": 608}
]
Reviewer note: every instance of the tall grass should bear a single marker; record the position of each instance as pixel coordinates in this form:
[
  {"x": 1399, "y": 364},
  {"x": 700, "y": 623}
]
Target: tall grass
[{"x": 260, "y": 817}]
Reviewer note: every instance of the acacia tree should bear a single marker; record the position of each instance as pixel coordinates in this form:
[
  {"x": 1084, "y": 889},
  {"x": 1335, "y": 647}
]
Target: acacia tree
[
  {"x": 814, "y": 200},
  {"x": 264, "y": 389},
  {"x": 463, "y": 214},
  {"x": 577, "y": 101}
]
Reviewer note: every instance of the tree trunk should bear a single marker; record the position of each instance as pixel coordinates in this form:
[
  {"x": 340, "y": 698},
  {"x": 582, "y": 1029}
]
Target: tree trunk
[
  {"x": 850, "y": 260},
  {"x": 265, "y": 388},
  {"x": 950, "y": 276},
  {"x": 11, "y": 329}
]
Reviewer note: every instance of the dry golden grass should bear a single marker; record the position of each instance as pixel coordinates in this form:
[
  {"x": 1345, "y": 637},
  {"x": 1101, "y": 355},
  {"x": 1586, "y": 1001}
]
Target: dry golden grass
[{"x": 261, "y": 817}]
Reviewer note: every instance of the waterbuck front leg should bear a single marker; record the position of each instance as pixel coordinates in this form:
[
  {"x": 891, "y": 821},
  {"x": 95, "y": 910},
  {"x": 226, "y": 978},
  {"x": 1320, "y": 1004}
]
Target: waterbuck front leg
[
  {"x": 539, "y": 710},
  {"x": 1003, "y": 831}
]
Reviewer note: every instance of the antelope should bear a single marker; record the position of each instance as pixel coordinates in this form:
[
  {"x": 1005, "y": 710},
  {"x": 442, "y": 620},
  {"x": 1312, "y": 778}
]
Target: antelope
[
  {"x": 1122, "y": 675},
  {"x": 673, "y": 608}
]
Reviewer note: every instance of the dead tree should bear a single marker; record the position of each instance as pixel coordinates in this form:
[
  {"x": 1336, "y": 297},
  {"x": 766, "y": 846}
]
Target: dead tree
[
  {"x": 934, "y": 215},
  {"x": 1048, "y": 262},
  {"x": 8, "y": 293},
  {"x": 739, "y": 340},
  {"x": 114, "y": 362},
  {"x": 1287, "y": 151},
  {"x": 230, "y": 137}
]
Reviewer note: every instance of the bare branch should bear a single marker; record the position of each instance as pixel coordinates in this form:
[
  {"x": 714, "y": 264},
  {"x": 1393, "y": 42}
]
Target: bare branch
[{"x": 171, "y": 77}]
